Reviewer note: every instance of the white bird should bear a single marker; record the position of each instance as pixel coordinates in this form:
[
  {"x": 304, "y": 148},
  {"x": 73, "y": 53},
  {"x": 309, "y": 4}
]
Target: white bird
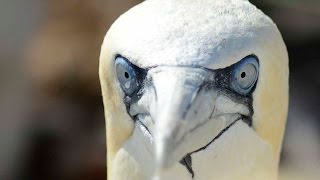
[{"x": 194, "y": 90}]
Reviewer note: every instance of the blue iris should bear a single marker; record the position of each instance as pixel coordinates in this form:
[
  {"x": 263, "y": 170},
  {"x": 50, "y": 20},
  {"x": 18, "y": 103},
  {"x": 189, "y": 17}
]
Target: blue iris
[
  {"x": 126, "y": 75},
  {"x": 245, "y": 75}
]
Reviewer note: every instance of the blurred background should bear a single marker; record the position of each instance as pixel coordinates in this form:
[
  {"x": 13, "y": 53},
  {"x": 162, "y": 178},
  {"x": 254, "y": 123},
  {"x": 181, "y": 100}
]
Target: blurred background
[{"x": 51, "y": 112}]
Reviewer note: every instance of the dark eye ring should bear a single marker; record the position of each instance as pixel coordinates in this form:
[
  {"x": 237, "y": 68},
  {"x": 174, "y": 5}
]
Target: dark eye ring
[
  {"x": 245, "y": 75},
  {"x": 127, "y": 75}
]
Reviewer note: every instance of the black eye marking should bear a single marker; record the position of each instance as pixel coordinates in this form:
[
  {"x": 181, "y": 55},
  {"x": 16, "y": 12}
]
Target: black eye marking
[{"x": 240, "y": 78}]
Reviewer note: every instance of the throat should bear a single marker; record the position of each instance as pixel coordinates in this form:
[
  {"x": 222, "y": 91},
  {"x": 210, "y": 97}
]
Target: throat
[
  {"x": 187, "y": 160},
  {"x": 238, "y": 154}
]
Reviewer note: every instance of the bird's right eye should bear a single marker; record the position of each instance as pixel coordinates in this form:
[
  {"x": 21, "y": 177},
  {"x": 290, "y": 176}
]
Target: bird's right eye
[{"x": 127, "y": 75}]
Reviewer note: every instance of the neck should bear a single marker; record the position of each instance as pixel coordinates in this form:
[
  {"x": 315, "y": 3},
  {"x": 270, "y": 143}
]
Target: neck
[{"x": 239, "y": 154}]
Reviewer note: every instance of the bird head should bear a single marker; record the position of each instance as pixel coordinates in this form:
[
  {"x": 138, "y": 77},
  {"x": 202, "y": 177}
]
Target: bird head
[{"x": 190, "y": 83}]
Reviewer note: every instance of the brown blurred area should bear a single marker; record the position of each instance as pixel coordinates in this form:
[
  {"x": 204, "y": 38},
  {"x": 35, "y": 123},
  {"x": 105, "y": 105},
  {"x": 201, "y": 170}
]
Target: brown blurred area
[
  {"x": 61, "y": 134},
  {"x": 51, "y": 112}
]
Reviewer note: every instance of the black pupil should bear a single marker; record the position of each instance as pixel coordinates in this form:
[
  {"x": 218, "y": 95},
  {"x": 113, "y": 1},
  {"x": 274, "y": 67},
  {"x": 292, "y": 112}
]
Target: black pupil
[
  {"x": 243, "y": 74},
  {"x": 126, "y": 74}
]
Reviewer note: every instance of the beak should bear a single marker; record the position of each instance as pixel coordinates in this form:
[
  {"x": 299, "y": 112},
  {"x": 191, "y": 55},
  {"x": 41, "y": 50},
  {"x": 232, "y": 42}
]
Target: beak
[
  {"x": 184, "y": 112},
  {"x": 176, "y": 91}
]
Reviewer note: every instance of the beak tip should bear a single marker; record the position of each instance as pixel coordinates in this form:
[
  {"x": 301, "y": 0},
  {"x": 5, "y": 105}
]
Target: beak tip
[
  {"x": 163, "y": 154},
  {"x": 166, "y": 149},
  {"x": 160, "y": 157}
]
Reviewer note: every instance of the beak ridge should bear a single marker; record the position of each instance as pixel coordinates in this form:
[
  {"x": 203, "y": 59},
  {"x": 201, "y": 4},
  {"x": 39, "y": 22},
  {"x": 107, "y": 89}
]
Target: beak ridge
[{"x": 175, "y": 91}]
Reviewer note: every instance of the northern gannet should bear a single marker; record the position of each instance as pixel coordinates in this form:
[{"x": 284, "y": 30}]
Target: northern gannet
[{"x": 194, "y": 90}]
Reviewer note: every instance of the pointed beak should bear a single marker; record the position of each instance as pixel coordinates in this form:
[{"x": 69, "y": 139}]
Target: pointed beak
[
  {"x": 183, "y": 113},
  {"x": 176, "y": 92},
  {"x": 187, "y": 109}
]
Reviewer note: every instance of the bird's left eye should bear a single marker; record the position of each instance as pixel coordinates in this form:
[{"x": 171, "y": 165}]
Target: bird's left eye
[
  {"x": 127, "y": 75},
  {"x": 244, "y": 75}
]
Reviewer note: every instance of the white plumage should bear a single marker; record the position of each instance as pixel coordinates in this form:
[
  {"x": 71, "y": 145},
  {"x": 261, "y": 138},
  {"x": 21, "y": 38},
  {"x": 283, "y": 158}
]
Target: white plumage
[{"x": 187, "y": 50}]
